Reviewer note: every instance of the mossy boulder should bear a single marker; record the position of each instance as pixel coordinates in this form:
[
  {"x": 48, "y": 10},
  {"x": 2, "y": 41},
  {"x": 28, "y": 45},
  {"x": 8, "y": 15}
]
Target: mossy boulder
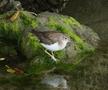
[{"x": 17, "y": 33}]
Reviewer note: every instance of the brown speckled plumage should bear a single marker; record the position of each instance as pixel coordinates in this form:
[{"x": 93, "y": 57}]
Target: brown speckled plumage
[{"x": 48, "y": 37}]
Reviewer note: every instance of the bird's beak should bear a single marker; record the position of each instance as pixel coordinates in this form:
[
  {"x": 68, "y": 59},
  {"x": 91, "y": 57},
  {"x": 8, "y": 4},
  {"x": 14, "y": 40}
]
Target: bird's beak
[{"x": 69, "y": 43}]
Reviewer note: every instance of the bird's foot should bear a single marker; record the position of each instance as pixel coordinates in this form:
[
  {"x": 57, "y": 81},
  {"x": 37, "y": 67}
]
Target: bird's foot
[{"x": 52, "y": 56}]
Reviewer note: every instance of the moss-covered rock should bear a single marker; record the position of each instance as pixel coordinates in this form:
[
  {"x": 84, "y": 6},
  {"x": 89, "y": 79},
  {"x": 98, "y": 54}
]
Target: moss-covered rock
[{"x": 17, "y": 33}]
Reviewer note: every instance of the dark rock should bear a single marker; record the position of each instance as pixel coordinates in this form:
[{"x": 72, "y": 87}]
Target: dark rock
[
  {"x": 9, "y": 5},
  {"x": 44, "y": 5},
  {"x": 55, "y": 81}
]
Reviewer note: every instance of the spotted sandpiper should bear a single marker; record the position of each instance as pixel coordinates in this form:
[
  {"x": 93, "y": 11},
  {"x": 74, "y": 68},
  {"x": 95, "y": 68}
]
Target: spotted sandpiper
[{"x": 52, "y": 41}]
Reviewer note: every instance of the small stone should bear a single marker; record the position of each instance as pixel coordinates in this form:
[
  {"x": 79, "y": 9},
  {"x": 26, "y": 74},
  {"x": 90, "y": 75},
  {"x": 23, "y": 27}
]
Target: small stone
[
  {"x": 1, "y": 59},
  {"x": 56, "y": 81}
]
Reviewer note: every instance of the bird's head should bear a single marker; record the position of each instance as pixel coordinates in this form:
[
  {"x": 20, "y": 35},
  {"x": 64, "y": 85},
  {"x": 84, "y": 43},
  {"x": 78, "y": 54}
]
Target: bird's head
[{"x": 66, "y": 39}]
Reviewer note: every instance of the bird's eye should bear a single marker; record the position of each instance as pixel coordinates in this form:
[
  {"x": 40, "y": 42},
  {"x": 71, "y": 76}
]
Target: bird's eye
[{"x": 65, "y": 38}]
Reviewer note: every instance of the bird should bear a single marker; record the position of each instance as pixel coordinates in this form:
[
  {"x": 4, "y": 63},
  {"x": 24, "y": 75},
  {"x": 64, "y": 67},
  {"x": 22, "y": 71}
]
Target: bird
[{"x": 52, "y": 41}]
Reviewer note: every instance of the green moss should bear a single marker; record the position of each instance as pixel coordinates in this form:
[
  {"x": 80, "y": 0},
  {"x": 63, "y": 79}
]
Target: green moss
[
  {"x": 70, "y": 21},
  {"x": 6, "y": 50},
  {"x": 30, "y": 45},
  {"x": 10, "y": 31},
  {"x": 29, "y": 20},
  {"x": 13, "y": 30},
  {"x": 39, "y": 68},
  {"x": 61, "y": 55}
]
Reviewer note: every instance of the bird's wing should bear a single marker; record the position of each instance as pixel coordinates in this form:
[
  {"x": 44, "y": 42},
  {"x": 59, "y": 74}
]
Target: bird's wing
[{"x": 47, "y": 37}]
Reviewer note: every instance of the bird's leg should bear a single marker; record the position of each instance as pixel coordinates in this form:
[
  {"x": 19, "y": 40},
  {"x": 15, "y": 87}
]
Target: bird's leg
[{"x": 51, "y": 55}]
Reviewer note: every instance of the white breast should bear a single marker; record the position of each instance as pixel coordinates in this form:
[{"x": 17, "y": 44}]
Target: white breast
[{"x": 53, "y": 47}]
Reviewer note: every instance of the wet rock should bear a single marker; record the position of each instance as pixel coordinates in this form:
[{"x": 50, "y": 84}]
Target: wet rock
[
  {"x": 82, "y": 42},
  {"x": 9, "y": 5},
  {"x": 55, "y": 81},
  {"x": 88, "y": 35},
  {"x": 44, "y": 5}
]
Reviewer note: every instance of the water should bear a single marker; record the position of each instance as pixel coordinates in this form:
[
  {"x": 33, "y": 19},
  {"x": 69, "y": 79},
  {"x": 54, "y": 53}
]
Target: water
[{"x": 92, "y": 74}]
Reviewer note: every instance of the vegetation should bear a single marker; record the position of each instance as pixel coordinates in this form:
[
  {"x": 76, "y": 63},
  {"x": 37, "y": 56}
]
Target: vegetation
[{"x": 15, "y": 35}]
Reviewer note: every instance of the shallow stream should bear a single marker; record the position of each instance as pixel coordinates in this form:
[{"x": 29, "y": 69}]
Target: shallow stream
[{"x": 92, "y": 73}]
